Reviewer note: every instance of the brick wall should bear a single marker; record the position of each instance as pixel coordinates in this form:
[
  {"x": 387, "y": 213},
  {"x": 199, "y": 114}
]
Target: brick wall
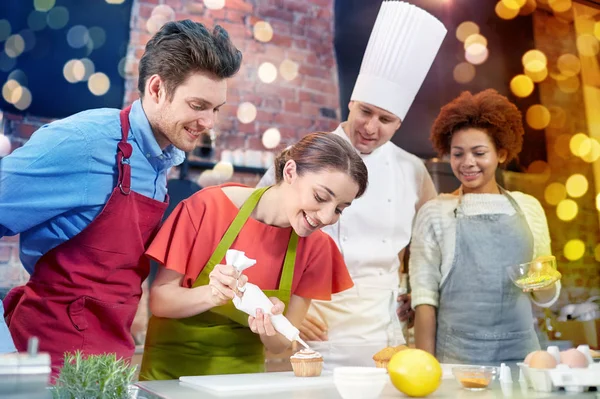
[{"x": 302, "y": 32}]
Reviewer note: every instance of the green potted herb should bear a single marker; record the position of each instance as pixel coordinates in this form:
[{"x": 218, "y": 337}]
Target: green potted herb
[{"x": 93, "y": 377}]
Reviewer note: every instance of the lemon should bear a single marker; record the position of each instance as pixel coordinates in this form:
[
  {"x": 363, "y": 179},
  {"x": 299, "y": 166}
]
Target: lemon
[{"x": 415, "y": 372}]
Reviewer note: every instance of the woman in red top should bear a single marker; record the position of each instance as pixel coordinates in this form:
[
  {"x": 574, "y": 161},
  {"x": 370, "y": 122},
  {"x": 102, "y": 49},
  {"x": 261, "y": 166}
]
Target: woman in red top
[{"x": 194, "y": 329}]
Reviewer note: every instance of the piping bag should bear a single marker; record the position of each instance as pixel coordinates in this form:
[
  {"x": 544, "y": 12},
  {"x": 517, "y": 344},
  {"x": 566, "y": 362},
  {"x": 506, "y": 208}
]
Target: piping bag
[{"x": 253, "y": 298}]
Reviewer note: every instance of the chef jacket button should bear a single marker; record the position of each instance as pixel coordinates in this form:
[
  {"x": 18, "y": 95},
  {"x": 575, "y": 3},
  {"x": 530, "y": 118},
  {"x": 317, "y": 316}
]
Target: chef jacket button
[
  {"x": 345, "y": 238},
  {"x": 384, "y": 240},
  {"x": 389, "y": 200},
  {"x": 148, "y": 155}
]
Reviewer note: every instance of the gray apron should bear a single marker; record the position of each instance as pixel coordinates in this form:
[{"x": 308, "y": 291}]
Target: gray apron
[{"x": 483, "y": 317}]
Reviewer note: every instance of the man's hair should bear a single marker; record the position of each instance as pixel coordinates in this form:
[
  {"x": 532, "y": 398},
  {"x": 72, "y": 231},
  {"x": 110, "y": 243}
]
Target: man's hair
[{"x": 181, "y": 48}]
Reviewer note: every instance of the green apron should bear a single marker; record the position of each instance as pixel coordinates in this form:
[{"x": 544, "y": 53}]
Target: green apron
[{"x": 217, "y": 341}]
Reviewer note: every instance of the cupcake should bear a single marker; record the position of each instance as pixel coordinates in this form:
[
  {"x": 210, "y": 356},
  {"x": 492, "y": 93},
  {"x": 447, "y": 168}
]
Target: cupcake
[
  {"x": 307, "y": 363},
  {"x": 382, "y": 358}
]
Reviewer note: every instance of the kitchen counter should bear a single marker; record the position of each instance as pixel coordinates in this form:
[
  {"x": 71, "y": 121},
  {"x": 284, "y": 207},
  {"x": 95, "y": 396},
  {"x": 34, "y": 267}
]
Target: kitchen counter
[{"x": 448, "y": 389}]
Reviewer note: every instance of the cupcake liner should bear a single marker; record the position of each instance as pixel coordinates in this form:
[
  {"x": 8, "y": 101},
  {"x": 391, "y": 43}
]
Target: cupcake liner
[{"x": 307, "y": 367}]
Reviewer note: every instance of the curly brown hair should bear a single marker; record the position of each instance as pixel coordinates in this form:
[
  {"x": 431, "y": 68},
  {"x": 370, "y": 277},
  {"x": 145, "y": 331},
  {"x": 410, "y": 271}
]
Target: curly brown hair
[{"x": 488, "y": 111}]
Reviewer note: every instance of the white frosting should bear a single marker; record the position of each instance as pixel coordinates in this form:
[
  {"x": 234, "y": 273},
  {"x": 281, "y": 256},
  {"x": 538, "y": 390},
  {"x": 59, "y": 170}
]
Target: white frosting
[{"x": 306, "y": 354}]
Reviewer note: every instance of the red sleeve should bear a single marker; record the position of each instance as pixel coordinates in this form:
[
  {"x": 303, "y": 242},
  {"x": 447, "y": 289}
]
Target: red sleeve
[
  {"x": 325, "y": 272},
  {"x": 177, "y": 247},
  {"x": 174, "y": 241}
]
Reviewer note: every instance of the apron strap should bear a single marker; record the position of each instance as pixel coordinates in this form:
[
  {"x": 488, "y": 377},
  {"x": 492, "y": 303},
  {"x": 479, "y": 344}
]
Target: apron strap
[
  {"x": 124, "y": 151},
  {"x": 287, "y": 274},
  {"x": 230, "y": 235}
]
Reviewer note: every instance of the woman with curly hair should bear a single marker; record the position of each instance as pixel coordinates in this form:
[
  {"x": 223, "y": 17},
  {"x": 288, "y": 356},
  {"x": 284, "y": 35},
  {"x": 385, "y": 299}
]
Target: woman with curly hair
[{"x": 467, "y": 308}]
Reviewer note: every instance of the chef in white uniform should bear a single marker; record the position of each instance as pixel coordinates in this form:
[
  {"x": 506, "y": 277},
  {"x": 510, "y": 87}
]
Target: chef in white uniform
[{"x": 357, "y": 323}]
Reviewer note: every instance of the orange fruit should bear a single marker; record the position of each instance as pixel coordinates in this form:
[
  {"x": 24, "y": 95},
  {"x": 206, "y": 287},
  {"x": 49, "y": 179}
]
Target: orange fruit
[{"x": 415, "y": 372}]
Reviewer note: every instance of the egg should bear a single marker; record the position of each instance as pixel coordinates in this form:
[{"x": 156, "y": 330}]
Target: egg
[
  {"x": 542, "y": 360},
  {"x": 528, "y": 358},
  {"x": 573, "y": 358}
]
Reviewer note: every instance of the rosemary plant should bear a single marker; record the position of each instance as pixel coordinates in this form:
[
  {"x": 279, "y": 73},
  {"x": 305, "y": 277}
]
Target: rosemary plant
[{"x": 93, "y": 377}]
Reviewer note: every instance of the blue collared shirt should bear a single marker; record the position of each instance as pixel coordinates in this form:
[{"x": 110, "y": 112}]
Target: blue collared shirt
[{"x": 60, "y": 180}]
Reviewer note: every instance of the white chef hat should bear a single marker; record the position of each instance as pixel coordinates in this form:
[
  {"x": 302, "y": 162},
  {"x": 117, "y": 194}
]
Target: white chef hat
[{"x": 402, "y": 46}]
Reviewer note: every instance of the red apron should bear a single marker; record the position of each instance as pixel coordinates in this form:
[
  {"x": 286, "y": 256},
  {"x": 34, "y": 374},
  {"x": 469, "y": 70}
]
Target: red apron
[{"x": 83, "y": 294}]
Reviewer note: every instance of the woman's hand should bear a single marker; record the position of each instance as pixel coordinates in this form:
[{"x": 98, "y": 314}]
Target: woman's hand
[
  {"x": 312, "y": 329},
  {"x": 224, "y": 282},
  {"x": 261, "y": 324}
]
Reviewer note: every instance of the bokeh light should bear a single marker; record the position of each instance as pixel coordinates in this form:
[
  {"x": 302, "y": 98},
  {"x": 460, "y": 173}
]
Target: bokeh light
[
  {"x": 539, "y": 167},
  {"x": 20, "y": 77},
  {"x": 78, "y": 36},
  {"x": 98, "y": 84},
  {"x": 569, "y": 85},
  {"x": 574, "y": 249},
  {"x": 36, "y": 20},
  {"x": 475, "y": 39},
  {"x": 577, "y": 185},
  {"x": 476, "y": 54},
  {"x": 538, "y": 117},
  {"x": 57, "y": 18},
  {"x": 537, "y": 71},
  {"x": 14, "y": 46},
  {"x": 597, "y": 253},
  {"x": 567, "y": 210},
  {"x": 466, "y": 29},
  {"x": 10, "y": 90},
  {"x": 464, "y": 72},
  {"x": 267, "y": 72},
  {"x": 555, "y": 193},
  {"x": 164, "y": 11},
  {"x": 5, "y": 29},
  {"x": 74, "y": 71},
  {"x": 154, "y": 23},
  {"x": 289, "y": 69},
  {"x": 246, "y": 112},
  {"x": 6, "y": 63},
  {"x": 529, "y": 7},
  {"x": 588, "y": 45},
  {"x": 521, "y": 86},
  {"x": 560, "y": 5},
  {"x": 504, "y": 12},
  {"x": 263, "y": 31},
  {"x": 514, "y": 4},
  {"x": 43, "y": 5},
  {"x": 594, "y": 152},
  {"x": 533, "y": 56},
  {"x": 579, "y": 142},
  {"x": 97, "y": 37},
  {"x": 271, "y": 138},
  {"x": 5, "y": 145},
  {"x": 115, "y": 1},
  {"x": 224, "y": 170},
  {"x": 569, "y": 64},
  {"x": 24, "y": 100},
  {"x": 214, "y": 4}
]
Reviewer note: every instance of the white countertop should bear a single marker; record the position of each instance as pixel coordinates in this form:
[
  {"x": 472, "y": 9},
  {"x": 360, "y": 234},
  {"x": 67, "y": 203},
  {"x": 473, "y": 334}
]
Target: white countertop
[{"x": 449, "y": 388}]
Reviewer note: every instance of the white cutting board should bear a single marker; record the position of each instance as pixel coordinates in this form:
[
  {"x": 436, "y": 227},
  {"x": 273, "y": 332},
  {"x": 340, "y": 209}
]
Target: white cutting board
[{"x": 229, "y": 384}]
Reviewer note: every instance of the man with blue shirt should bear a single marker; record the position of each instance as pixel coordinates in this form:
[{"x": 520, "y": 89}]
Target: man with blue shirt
[{"x": 88, "y": 192}]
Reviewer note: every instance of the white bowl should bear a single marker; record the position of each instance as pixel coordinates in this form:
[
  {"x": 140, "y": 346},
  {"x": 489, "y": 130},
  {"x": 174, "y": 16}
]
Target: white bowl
[{"x": 360, "y": 382}]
